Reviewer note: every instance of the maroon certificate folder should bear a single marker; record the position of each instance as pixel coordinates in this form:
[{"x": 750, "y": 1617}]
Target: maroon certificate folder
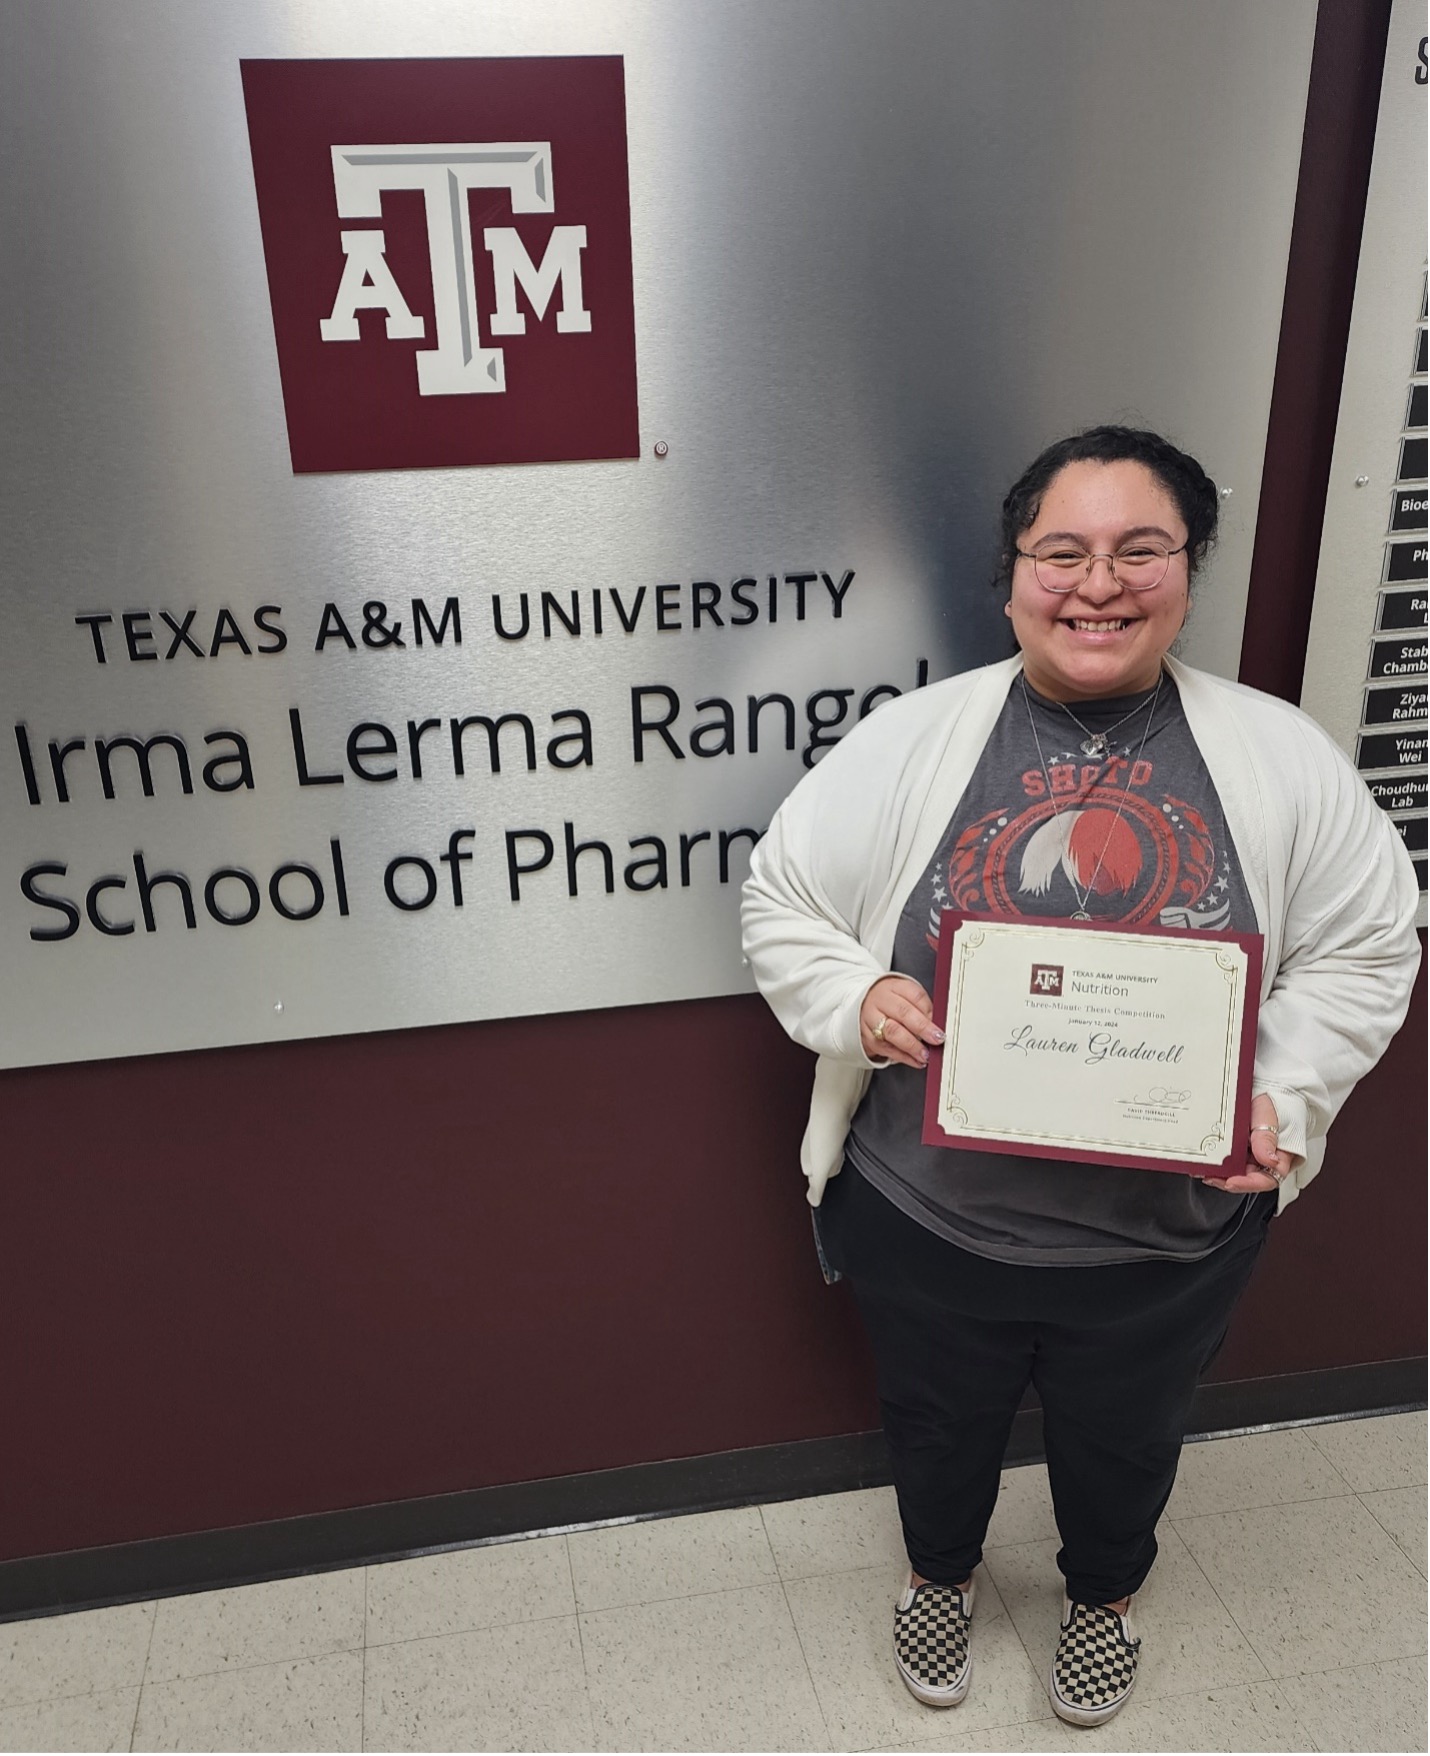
[{"x": 1094, "y": 1042}]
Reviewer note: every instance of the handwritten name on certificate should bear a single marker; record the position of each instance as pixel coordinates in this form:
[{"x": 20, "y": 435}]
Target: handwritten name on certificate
[{"x": 1102, "y": 1044}]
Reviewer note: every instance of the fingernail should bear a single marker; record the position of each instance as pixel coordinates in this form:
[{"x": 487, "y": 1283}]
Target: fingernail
[
  {"x": 937, "y": 1034},
  {"x": 923, "y": 1057}
]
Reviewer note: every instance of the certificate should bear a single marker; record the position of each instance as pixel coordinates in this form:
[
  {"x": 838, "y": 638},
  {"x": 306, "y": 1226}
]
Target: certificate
[{"x": 1105, "y": 1044}]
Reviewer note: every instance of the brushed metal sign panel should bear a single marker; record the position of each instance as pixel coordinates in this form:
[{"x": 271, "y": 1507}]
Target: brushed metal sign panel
[{"x": 880, "y": 254}]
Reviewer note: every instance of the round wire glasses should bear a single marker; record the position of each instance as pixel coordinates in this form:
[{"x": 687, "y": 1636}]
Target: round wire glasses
[{"x": 1137, "y": 566}]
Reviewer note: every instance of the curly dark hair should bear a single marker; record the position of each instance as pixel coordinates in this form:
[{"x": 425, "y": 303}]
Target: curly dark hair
[{"x": 1182, "y": 476}]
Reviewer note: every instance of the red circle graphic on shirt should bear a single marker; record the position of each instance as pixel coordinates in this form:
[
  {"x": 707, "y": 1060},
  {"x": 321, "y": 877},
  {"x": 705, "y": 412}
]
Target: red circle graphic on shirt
[{"x": 1112, "y": 858}]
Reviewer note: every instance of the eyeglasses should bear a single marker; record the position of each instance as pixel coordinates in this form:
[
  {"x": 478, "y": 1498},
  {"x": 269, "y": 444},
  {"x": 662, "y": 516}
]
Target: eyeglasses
[{"x": 1063, "y": 567}]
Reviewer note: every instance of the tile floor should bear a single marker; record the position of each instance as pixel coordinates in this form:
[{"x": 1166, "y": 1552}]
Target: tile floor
[{"x": 1287, "y": 1612}]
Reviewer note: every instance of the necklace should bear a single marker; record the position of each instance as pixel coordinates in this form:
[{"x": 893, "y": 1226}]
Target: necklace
[
  {"x": 1084, "y": 896},
  {"x": 1095, "y": 743}
]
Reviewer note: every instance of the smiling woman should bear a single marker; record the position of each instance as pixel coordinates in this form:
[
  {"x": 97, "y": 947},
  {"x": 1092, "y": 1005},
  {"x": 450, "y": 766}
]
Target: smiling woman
[
  {"x": 1100, "y": 546},
  {"x": 1092, "y": 778}
]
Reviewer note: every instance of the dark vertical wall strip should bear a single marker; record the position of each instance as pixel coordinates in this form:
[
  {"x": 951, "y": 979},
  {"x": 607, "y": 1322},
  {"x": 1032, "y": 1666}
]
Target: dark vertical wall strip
[
  {"x": 247, "y": 1285},
  {"x": 1346, "y": 67}
]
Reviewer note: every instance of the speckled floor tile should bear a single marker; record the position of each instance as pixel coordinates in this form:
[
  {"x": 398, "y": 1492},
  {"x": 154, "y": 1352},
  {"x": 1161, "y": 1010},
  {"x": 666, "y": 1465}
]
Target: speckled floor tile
[
  {"x": 469, "y": 1589},
  {"x": 315, "y": 1704},
  {"x": 1318, "y": 1585},
  {"x": 1188, "y": 1639},
  {"x": 1367, "y": 1707},
  {"x": 846, "y": 1626},
  {"x": 1024, "y": 1512},
  {"x": 722, "y": 1671},
  {"x": 518, "y": 1687},
  {"x": 270, "y": 1623},
  {"x": 1258, "y": 1469},
  {"x": 835, "y": 1533},
  {"x": 1401, "y": 1511},
  {"x": 670, "y": 1557},
  {"x": 840, "y": 1533},
  {"x": 79, "y": 1722},
  {"x": 1248, "y": 1716},
  {"x": 52, "y": 1656},
  {"x": 1384, "y": 1452}
]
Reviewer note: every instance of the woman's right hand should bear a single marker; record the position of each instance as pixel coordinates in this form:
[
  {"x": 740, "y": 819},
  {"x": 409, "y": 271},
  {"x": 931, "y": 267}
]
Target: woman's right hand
[{"x": 899, "y": 1009}]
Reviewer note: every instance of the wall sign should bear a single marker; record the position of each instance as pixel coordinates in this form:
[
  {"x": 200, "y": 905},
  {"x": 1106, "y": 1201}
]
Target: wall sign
[
  {"x": 360, "y": 674},
  {"x": 1401, "y": 609},
  {"x": 1366, "y": 659},
  {"x": 1376, "y": 750},
  {"x": 1394, "y": 706},
  {"x": 1396, "y": 658},
  {"x": 1397, "y": 793}
]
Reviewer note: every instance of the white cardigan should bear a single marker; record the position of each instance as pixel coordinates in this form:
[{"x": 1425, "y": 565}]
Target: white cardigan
[{"x": 1333, "y": 888}]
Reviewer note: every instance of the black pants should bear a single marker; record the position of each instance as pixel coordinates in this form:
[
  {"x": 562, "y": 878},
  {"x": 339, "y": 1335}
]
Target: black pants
[{"x": 1114, "y": 1353}]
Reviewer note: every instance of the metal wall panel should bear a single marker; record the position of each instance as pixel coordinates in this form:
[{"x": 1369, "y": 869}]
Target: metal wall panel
[{"x": 881, "y": 254}]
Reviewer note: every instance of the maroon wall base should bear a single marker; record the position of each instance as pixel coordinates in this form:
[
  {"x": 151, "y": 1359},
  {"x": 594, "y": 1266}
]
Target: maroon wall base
[
  {"x": 247, "y": 1284},
  {"x": 300, "y": 1278}
]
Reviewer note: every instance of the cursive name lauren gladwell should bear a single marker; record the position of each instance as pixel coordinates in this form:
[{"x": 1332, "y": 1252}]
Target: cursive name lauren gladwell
[{"x": 1100, "y": 1045}]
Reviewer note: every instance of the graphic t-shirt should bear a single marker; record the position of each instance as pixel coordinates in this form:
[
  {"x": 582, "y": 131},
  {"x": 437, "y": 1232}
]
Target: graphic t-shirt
[{"x": 1052, "y": 826}]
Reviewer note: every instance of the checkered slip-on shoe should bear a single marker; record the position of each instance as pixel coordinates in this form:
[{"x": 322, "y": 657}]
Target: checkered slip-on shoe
[
  {"x": 931, "y": 1645},
  {"x": 1095, "y": 1665}
]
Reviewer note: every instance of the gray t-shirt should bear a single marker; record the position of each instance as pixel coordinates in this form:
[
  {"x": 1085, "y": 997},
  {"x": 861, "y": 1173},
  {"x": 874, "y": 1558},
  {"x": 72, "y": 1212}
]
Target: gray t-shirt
[{"x": 1137, "y": 837}]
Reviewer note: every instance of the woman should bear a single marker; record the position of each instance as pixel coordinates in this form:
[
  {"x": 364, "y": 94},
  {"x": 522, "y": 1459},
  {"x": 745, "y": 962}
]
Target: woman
[{"x": 1091, "y": 777}]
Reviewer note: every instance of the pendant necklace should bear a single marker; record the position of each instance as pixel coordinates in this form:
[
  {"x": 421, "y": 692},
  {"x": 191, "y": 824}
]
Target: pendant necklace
[
  {"x": 1095, "y": 743},
  {"x": 1084, "y": 896}
]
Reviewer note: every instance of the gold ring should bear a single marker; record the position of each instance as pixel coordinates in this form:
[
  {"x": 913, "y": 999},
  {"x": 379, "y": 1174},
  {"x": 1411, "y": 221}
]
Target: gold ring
[
  {"x": 878, "y": 1031},
  {"x": 1265, "y": 1128}
]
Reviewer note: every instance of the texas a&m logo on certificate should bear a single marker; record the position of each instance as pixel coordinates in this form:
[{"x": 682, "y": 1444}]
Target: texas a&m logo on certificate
[{"x": 449, "y": 258}]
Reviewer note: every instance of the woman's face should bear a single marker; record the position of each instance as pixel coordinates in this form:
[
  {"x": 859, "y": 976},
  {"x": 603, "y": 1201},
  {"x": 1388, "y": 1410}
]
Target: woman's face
[{"x": 1099, "y": 640}]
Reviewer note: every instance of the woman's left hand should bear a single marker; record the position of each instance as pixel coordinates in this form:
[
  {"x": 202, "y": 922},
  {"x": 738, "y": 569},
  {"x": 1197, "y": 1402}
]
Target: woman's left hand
[{"x": 1266, "y": 1164}]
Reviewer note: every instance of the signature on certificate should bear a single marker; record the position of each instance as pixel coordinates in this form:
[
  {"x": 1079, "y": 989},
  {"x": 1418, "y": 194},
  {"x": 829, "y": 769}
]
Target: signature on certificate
[{"x": 1163, "y": 1097}]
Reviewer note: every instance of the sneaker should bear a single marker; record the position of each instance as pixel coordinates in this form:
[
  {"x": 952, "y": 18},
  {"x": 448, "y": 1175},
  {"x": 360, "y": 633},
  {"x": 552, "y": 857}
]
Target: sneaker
[
  {"x": 931, "y": 1645},
  {"x": 1095, "y": 1665}
]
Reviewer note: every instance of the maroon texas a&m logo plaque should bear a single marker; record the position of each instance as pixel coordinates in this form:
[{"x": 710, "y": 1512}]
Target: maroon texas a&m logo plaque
[{"x": 449, "y": 258}]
